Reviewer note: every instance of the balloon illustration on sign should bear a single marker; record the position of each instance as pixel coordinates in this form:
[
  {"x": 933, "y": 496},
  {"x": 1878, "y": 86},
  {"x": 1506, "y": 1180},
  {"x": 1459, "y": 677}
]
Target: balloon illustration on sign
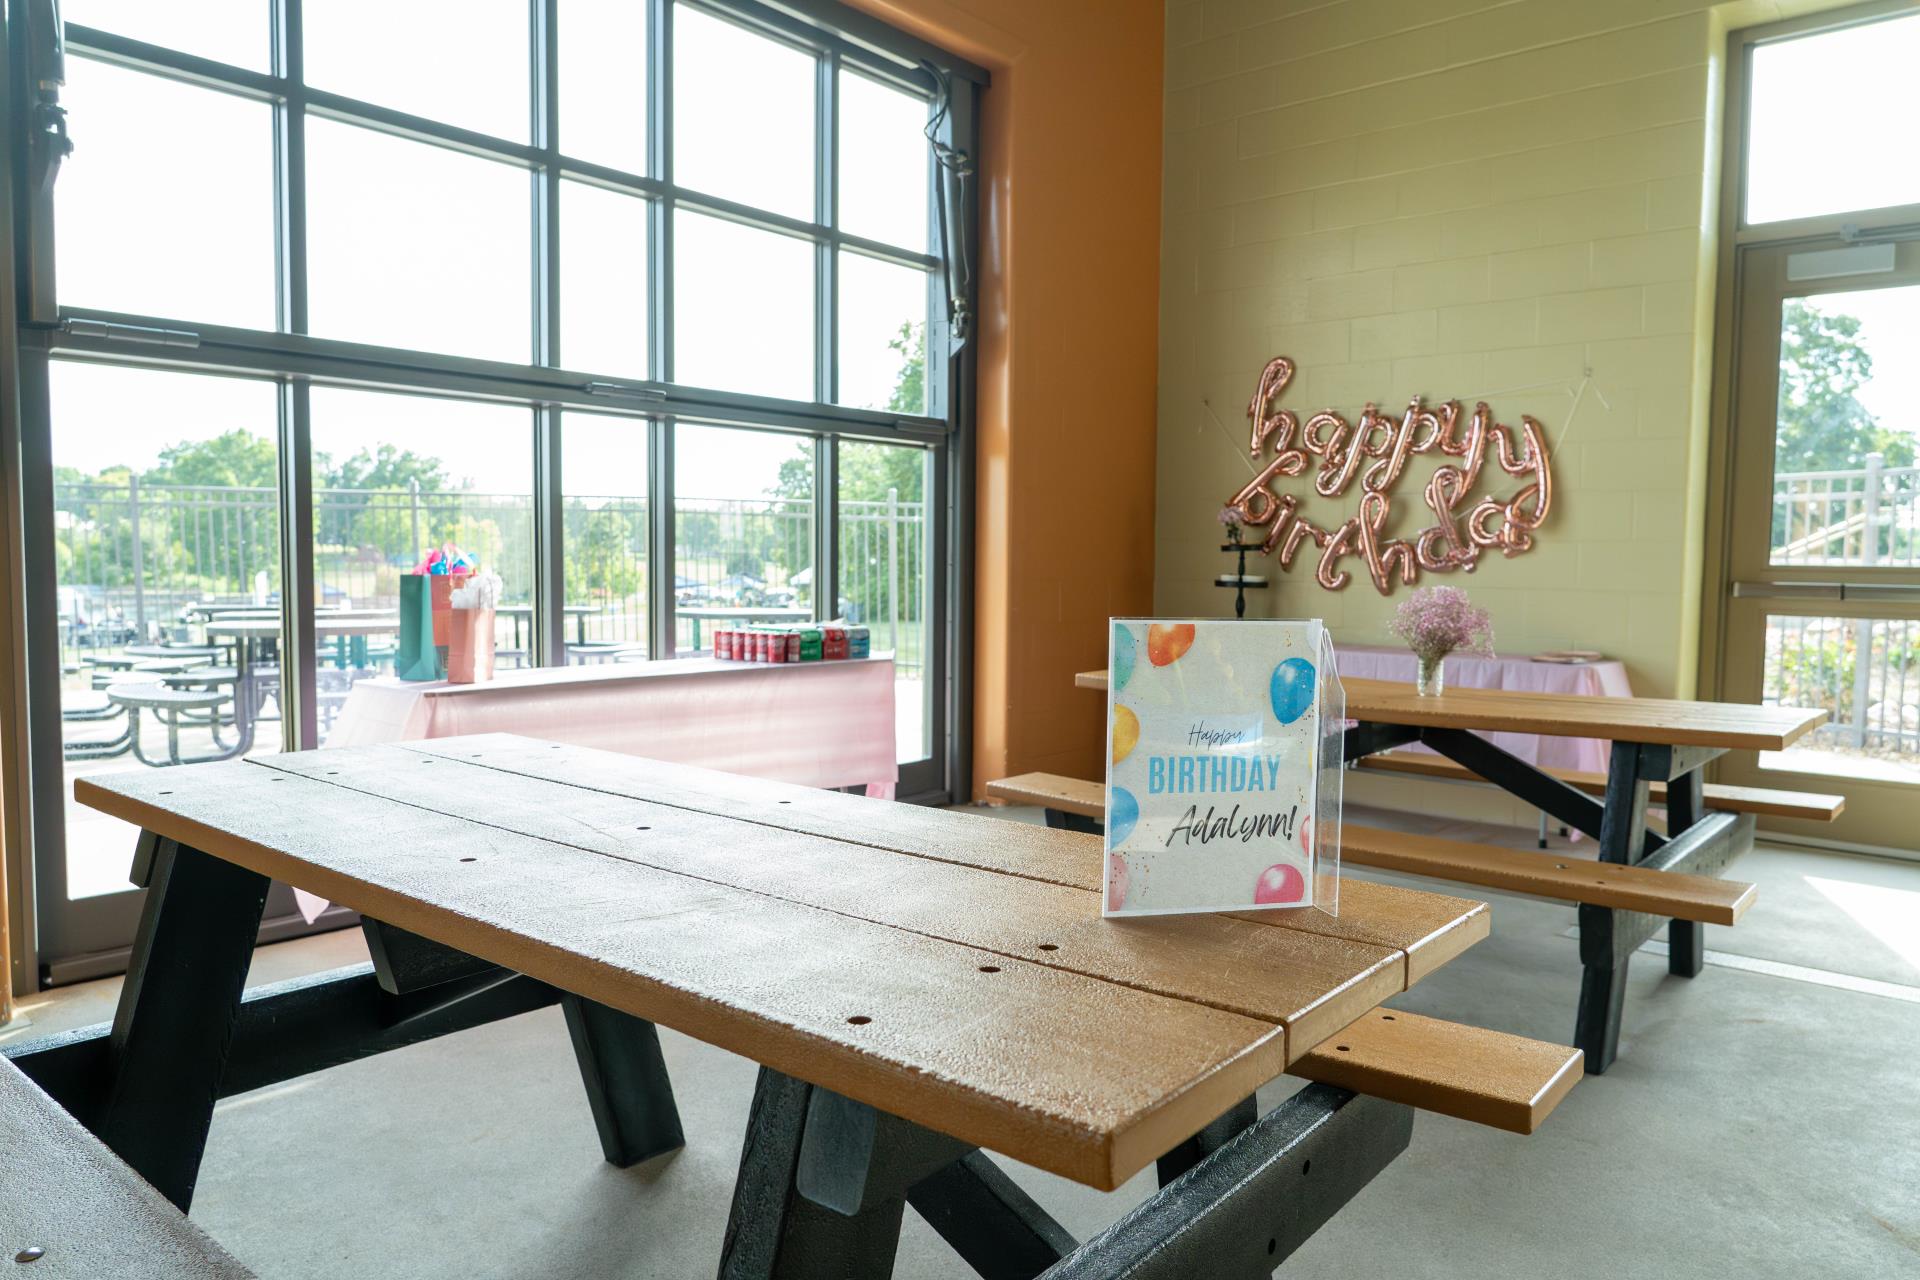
[
  {"x": 1124, "y": 648},
  {"x": 1116, "y": 882},
  {"x": 1167, "y": 641},
  {"x": 1291, "y": 689},
  {"x": 1126, "y": 733},
  {"x": 1278, "y": 884},
  {"x": 1121, "y": 815}
]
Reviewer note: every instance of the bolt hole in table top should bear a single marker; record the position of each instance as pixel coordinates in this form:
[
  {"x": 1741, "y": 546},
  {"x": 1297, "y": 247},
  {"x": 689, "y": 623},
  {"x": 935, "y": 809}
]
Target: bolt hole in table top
[
  {"x": 1653, "y": 740},
  {"x": 915, "y": 983}
]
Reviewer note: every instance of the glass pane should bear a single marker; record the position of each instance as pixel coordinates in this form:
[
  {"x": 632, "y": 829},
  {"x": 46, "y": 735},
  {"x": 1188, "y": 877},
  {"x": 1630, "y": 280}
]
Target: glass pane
[
  {"x": 884, "y": 162},
  {"x": 743, "y": 530},
  {"x": 742, "y": 115},
  {"x": 603, "y": 280},
  {"x": 393, "y": 477},
  {"x": 233, "y": 31},
  {"x": 603, "y": 473},
  {"x": 743, "y": 308},
  {"x": 1866, "y": 672},
  {"x": 603, "y": 82},
  {"x": 410, "y": 245},
  {"x": 1813, "y": 141},
  {"x": 119, "y": 247},
  {"x": 1846, "y": 490},
  {"x": 884, "y": 577},
  {"x": 460, "y": 61},
  {"x": 883, "y": 335},
  {"x": 165, "y": 509}
]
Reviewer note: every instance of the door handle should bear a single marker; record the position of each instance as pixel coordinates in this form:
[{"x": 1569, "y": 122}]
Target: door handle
[
  {"x": 1787, "y": 590},
  {"x": 1898, "y": 592}
]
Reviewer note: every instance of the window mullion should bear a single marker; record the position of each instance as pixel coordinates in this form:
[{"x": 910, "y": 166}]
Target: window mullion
[{"x": 290, "y": 169}]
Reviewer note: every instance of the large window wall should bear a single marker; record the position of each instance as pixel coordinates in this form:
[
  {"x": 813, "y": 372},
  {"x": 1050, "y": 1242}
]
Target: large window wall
[{"x": 650, "y": 304}]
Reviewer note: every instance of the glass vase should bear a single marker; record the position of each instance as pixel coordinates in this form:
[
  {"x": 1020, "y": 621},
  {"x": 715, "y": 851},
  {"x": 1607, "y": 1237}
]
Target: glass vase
[{"x": 1431, "y": 681}]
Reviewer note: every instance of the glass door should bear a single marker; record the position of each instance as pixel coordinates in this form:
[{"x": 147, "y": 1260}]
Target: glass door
[{"x": 1825, "y": 607}]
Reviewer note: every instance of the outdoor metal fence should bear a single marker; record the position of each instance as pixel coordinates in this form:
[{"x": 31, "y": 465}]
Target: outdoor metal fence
[
  {"x": 1869, "y": 516},
  {"x": 1866, "y": 671},
  {"x": 131, "y": 556}
]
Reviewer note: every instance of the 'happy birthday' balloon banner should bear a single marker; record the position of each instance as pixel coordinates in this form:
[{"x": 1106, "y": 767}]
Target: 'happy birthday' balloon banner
[{"x": 1456, "y": 538}]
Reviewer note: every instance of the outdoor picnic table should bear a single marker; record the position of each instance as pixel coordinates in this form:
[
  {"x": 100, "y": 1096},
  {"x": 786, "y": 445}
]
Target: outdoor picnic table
[
  {"x": 1654, "y": 740},
  {"x": 250, "y": 635},
  {"x": 522, "y": 614},
  {"x": 915, "y": 985}
]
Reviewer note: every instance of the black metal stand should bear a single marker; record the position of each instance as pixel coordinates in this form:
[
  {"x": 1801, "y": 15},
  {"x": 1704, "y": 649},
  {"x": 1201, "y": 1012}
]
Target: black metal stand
[
  {"x": 824, "y": 1181},
  {"x": 1240, "y": 580}
]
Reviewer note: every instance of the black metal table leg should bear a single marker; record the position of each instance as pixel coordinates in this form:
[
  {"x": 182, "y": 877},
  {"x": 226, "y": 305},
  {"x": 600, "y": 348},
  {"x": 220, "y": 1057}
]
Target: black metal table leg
[
  {"x": 1623, "y": 826},
  {"x": 1686, "y": 939},
  {"x": 177, "y": 1011},
  {"x": 626, "y": 1080},
  {"x": 823, "y": 1185}
]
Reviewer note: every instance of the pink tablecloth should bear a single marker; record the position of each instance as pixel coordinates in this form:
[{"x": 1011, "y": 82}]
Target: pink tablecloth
[
  {"x": 820, "y": 724},
  {"x": 1464, "y": 671}
]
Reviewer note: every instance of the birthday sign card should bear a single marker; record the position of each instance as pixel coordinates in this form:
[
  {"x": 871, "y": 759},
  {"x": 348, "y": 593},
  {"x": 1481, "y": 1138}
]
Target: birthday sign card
[{"x": 1224, "y": 766}]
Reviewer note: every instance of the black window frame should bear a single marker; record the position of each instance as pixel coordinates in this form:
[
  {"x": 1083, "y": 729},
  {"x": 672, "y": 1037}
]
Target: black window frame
[{"x": 836, "y": 36}]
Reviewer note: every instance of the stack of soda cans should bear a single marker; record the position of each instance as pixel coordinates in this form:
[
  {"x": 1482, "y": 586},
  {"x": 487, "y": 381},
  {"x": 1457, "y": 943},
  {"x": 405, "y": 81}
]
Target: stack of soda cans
[{"x": 800, "y": 642}]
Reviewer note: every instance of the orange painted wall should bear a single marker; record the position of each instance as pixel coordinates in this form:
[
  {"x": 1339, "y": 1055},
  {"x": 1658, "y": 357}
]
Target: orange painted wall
[{"x": 1069, "y": 348}]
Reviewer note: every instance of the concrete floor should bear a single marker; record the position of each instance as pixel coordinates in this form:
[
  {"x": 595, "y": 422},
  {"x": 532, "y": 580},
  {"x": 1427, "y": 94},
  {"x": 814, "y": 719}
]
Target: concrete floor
[{"x": 1763, "y": 1120}]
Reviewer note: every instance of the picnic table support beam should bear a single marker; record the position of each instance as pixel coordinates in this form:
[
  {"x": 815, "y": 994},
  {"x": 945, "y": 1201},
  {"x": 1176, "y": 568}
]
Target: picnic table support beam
[
  {"x": 290, "y": 1029},
  {"x": 1250, "y": 1205},
  {"x": 824, "y": 1180},
  {"x": 985, "y": 1217},
  {"x": 626, "y": 1080},
  {"x": 1061, "y": 820},
  {"x": 178, "y": 1005},
  {"x": 1516, "y": 777}
]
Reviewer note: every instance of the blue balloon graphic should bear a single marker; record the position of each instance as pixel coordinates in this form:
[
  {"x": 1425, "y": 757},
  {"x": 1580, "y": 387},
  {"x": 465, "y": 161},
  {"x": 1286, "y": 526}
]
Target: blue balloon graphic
[
  {"x": 1123, "y": 650},
  {"x": 1122, "y": 814},
  {"x": 1291, "y": 689}
]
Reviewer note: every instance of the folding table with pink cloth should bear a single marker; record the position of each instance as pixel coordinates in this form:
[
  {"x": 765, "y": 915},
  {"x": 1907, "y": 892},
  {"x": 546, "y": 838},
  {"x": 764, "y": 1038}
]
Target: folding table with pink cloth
[
  {"x": 820, "y": 724},
  {"x": 1464, "y": 671}
]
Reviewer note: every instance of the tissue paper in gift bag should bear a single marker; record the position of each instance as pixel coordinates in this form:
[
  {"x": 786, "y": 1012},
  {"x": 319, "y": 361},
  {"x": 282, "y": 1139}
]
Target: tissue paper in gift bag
[{"x": 470, "y": 645}]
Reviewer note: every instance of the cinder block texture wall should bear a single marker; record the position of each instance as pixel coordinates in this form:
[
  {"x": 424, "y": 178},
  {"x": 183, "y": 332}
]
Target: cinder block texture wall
[{"x": 1456, "y": 199}]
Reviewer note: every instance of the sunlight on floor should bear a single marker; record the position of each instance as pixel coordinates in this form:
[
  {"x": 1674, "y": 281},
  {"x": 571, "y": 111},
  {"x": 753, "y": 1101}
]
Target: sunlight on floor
[{"x": 1892, "y": 916}]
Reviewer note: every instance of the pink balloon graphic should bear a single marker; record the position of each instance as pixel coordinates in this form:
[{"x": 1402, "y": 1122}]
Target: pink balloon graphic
[
  {"x": 1279, "y": 883},
  {"x": 1306, "y": 836},
  {"x": 1116, "y": 882}
]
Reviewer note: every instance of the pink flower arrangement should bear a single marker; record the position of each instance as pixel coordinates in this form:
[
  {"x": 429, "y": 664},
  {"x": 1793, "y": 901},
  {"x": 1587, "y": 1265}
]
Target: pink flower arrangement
[
  {"x": 1230, "y": 517},
  {"x": 1434, "y": 621}
]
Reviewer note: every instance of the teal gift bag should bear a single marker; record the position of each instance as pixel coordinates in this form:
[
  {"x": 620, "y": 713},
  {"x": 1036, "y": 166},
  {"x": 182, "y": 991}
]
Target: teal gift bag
[{"x": 417, "y": 658}]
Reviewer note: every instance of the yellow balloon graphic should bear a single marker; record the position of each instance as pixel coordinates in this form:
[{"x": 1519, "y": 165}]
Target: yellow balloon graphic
[{"x": 1126, "y": 733}]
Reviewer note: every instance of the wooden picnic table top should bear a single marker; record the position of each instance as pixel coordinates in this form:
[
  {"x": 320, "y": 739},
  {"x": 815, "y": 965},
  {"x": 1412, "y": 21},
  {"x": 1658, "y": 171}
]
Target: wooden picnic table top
[
  {"x": 1660, "y": 721},
  {"x": 944, "y": 967}
]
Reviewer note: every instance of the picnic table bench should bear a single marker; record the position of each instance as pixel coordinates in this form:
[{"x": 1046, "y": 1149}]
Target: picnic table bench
[
  {"x": 1655, "y": 741},
  {"x": 73, "y": 1209},
  {"x": 916, "y": 985}
]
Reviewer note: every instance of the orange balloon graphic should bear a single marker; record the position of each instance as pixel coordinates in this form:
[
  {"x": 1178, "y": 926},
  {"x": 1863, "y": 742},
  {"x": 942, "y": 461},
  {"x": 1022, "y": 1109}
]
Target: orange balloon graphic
[
  {"x": 1126, "y": 733},
  {"x": 1167, "y": 641}
]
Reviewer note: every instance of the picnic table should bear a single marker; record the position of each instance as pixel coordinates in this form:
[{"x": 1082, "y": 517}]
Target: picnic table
[
  {"x": 250, "y": 636},
  {"x": 915, "y": 984},
  {"x": 1660, "y": 741}
]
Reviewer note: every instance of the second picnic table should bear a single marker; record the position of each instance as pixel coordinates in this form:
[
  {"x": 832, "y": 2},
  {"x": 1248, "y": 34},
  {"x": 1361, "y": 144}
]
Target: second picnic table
[
  {"x": 1654, "y": 740},
  {"x": 915, "y": 984}
]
